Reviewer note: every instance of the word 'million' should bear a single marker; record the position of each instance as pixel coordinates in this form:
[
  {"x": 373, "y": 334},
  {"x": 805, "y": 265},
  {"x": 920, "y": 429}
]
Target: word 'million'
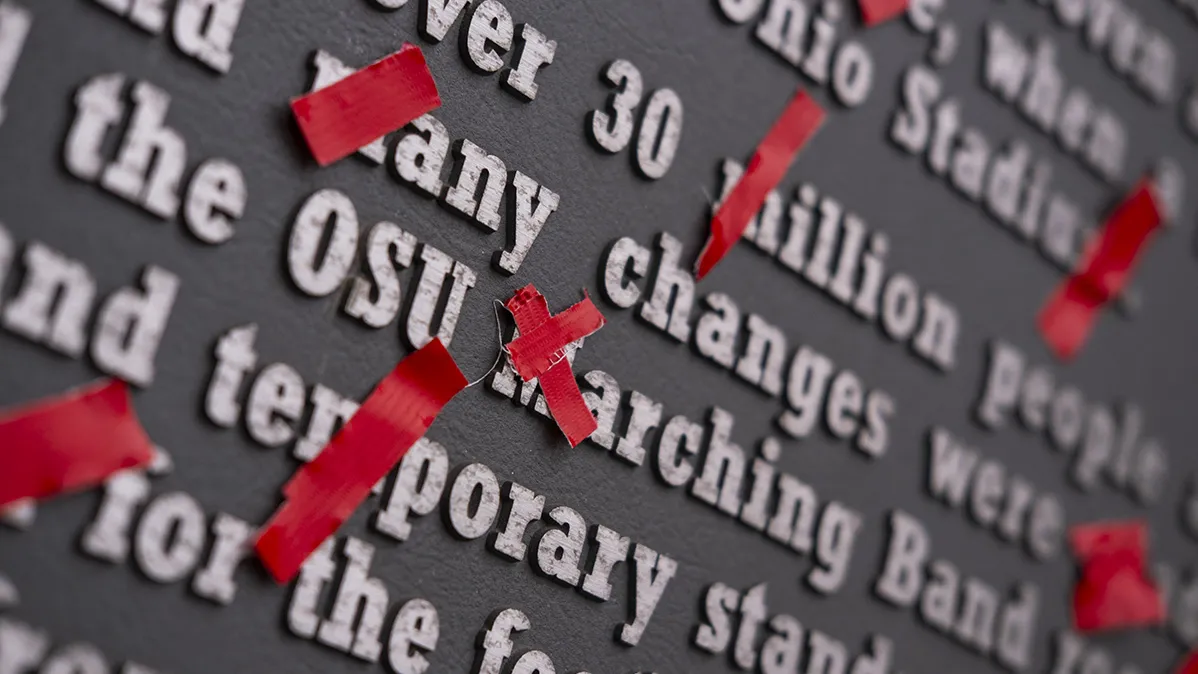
[{"x": 820, "y": 241}]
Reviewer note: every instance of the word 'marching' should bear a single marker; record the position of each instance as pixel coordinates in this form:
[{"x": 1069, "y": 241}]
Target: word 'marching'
[{"x": 202, "y": 29}]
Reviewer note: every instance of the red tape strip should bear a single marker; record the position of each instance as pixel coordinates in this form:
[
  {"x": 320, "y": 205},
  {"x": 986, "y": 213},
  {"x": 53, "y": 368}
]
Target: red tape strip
[
  {"x": 533, "y": 353},
  {"x": 562, "y": 394},
  {"x": 1113, "y": 591},
  {"x": 1069, "y": 316},
  {"x": 1189, "y": 665},
  {"x": 376, "y": 100},
  {"x": 1090, "y": 541},
  {"x": 70, "y": 442},
  {"x": 325, "y": 492},
  {"x": 798, "y": 123},
  {"x": 874, "y": 12}
]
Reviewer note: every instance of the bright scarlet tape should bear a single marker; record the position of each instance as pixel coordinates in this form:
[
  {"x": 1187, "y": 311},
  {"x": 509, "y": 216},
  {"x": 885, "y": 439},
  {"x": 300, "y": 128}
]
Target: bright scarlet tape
[
  {"x": 376, "y": 100},
  {"x": 542, "y": 356},
  {"x": 70, "y": 442},
  {"x": 798, "y": 123},
  {"x": 324, "y": 493},
  {"x": 1114, "y": 590},
  {"x": 536, "y": 351},
  {"x": 1069, "y": 316}
]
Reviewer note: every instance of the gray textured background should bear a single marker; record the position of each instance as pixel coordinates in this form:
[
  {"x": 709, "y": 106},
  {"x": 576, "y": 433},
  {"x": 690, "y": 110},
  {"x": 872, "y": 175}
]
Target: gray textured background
[{"x": 732, "y": 89}]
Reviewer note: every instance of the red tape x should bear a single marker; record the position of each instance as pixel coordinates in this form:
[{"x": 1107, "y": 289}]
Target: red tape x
[
  {"x": 1114, "y": 591},
  {"x": 324, "y": 493},
  {"x": 539, "y": 353},
  {"x": 70, "y": 442}
]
